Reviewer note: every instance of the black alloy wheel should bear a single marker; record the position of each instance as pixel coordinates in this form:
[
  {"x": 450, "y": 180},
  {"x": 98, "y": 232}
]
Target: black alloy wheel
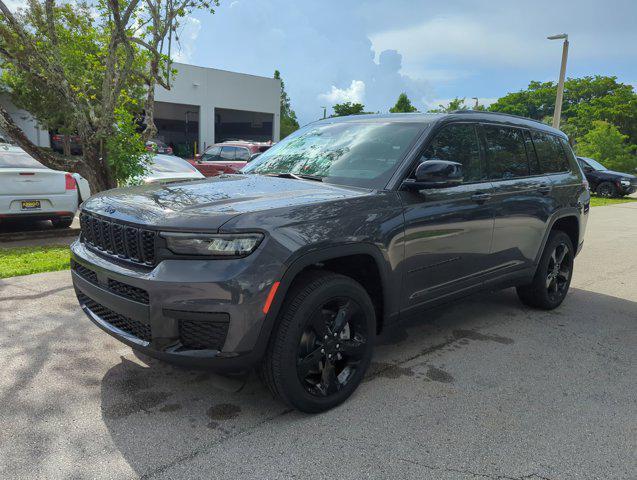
[
  {"x": 332, "y": 346},
  {"x": 323, "y": 342},
  {"x": 559, "y": 271},
  {"x": 606, "y": 190},
  {"x": 553, "y": 274}
]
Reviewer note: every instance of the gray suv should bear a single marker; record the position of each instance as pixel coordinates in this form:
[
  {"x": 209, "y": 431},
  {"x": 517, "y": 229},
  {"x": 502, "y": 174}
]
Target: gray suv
[{"x": 329, "y": 238}]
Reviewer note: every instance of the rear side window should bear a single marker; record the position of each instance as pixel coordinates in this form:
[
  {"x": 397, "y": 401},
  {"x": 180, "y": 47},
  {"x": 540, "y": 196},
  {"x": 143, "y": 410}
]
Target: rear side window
[
  {"x": 569, "y": 152},
  {"x": 506, "y": 152},
  {"x": 550, "y": 153},
  {"x": 243, "y": 154},
  {"x": 457, "y": 143}
]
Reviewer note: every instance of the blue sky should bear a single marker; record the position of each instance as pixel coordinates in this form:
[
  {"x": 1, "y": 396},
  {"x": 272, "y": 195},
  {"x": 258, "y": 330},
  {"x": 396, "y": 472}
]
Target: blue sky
[{"x": 370, "y": 51}]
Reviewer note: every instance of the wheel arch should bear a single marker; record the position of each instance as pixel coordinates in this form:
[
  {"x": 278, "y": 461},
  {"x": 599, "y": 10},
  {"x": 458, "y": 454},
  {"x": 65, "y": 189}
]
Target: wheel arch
[
  {"x": 364, "y": 262},
  {"x": 566, "y": 220}
]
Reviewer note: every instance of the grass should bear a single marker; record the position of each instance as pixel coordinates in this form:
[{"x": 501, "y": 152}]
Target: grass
[
  {"x": 602, "y": 202},
  {"x": 27, "y": 260}
]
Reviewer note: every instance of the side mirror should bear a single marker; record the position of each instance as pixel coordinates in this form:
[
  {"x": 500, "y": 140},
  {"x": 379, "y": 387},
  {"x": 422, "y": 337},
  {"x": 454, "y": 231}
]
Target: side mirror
[
  {"x": 436, "y": 174},
  {"x": 253, "y": 156}
]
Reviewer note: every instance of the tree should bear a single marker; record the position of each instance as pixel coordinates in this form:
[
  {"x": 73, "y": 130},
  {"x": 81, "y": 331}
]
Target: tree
[
  {"x": 586, "y": 100},
  {"x": 403, "y": 105},
  {"x": 452, "y": 106},
  {"x": 86, "y": 68},
  {"x": 289, "y": 123},
  {"x": 606, "y": 144},
  {"x": 348, "y": 108}
]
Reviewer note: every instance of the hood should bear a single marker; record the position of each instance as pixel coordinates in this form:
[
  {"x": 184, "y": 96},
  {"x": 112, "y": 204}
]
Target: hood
[
  {"x": 165, "y": 177},
  {"x": 612, "y": 173},
  {"x": 207, "y": 204}
]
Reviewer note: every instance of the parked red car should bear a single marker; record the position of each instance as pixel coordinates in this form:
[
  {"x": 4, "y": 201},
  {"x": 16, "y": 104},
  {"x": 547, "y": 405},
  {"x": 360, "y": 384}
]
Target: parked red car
[{"x": 228, "y": 157}]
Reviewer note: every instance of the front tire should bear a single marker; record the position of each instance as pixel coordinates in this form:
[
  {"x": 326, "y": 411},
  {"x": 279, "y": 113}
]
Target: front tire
[
  {"x": 553, "y": 275},
  {"x": 607, "y": 190},
  {"x": 323, "y": 342}
]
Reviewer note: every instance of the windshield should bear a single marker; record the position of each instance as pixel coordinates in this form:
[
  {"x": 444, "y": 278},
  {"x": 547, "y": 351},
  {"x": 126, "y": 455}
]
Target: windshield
[
  {"x": 169, "y": 164},
  {"x": 363, "y": 154},
  {"x": 595, "y": 164},
  {"x": 17, "y": 158}
]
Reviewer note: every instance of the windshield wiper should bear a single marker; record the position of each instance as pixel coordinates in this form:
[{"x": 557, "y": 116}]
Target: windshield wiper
[{"x": 296, "y": 176}]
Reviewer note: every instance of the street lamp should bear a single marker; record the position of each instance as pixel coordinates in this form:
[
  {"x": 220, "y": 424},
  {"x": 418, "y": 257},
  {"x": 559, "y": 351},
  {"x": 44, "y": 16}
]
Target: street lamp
[
  {"x": 324, "y": 112},
  {"x": 560, "y": 85}
]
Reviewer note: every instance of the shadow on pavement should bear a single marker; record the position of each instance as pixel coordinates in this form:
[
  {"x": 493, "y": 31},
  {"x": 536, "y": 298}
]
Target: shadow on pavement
[{"x": 159, "y": 415}]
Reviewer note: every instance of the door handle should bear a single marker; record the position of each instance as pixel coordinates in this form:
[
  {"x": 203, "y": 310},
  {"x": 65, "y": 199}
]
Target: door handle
[
  {"x": 480, "y": 197},
  {"x": 545, "y": 189}
]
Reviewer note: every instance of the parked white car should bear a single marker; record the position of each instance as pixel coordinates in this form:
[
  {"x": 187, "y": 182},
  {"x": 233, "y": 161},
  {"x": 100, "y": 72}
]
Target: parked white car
[
  {"x": 168, "y": 168},
  {"x": 29, "y": 190}
]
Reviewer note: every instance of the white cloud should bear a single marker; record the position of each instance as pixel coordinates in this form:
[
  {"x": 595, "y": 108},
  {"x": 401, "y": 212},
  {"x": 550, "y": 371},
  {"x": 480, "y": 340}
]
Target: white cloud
[
  {"x": 355, "y": 93},
  {"x": 188, "y": 35},
  {"x": 457, "y": 37}
]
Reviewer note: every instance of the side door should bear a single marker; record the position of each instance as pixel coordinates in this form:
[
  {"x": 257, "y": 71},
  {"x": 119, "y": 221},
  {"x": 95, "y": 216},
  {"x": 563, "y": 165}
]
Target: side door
[
  {"x": 448, "y": 230},
  {"x": 226, "y": 162},
  {"x": 208, "y": 160},
  {"x": 522, "y": 197}
]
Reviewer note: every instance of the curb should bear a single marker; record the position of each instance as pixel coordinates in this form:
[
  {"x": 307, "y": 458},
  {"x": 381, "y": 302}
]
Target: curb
[{"x": 18, "y": 236}]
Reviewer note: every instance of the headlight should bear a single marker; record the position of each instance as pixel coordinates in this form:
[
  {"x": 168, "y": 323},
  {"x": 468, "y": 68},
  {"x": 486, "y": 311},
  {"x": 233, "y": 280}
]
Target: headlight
[
  {"x": 625, "y": 182},
  {"x": 215, "y": 245}
]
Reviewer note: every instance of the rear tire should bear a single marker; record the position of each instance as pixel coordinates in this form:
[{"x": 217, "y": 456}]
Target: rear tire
[
  {"x": 61, "y": 222},
  {"x": 322, "y": 344},
  {"x": 607, "y": 190},
  {"x": 553, "y": 275}
]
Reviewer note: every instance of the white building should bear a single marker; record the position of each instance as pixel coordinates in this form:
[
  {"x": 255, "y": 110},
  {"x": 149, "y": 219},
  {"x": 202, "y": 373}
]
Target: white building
[{"x": 203, "y": 106}]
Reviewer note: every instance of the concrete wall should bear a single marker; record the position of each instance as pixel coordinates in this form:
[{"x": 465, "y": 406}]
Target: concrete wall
[
  {"x": 210, "y": 88},
  {"x": 26, "y": 122}
]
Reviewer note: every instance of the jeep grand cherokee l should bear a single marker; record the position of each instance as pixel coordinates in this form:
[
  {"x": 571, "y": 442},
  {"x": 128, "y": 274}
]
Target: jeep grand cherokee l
[{"x": 327, "y": 239}]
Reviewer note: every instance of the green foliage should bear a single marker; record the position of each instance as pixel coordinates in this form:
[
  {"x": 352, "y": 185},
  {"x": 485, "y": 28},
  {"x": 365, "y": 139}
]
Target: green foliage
[
  {"x": 127, "y": 154},
  {"x": 452, "y": 106},
  {"x": 586, "y": 100},
  {"x": 403, "y": 105},
  {"x": 288, "y": 120},
  {"x": 604, "y": 201},
  {"x": 28, "y": 260},
  {"x": 606, "y": 144},
  {"x": 348, "y": 108}
]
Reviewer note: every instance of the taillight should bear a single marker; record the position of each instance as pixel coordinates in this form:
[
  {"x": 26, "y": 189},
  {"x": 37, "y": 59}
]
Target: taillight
[
  {"x": 70, "y": 182},
  {"x": 585, "y": 182},
  {"x": 169, "y": 150},
  {"x": 56, "y": 138}
]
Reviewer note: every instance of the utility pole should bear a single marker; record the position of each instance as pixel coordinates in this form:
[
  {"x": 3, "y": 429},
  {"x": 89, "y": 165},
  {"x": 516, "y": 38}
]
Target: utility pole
[
  {"x": 475, "y": 105},
  {"x": 324, "y": 112},
  {"x": 557, "y": 114}
]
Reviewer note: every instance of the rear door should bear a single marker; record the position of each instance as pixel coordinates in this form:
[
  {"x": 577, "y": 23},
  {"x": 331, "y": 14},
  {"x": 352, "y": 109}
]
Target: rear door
[
  {"x": 448, "y": 230},
  {"x": 521, "y": 197}
]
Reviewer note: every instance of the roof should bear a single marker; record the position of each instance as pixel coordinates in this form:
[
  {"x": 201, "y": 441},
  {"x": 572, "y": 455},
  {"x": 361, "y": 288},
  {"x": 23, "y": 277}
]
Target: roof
[{"x": 475, "y": 115}]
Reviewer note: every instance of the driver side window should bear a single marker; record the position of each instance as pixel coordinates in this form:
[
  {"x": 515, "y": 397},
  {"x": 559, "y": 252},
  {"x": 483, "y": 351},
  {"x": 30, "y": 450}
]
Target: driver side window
[{"x": 457, "y": 143}]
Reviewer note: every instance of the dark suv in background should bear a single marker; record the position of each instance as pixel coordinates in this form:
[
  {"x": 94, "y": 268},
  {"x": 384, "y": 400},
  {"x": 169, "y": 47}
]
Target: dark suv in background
[
  {"x": 605, "y": 182},
  {"x": 328, "y": 239}
]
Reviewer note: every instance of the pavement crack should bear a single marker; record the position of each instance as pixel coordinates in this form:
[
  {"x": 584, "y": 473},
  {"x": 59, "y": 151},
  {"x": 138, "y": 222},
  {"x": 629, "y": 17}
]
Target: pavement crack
[
  {"x": 206, "y": 447},
  {"x": 458, "y": 470}
]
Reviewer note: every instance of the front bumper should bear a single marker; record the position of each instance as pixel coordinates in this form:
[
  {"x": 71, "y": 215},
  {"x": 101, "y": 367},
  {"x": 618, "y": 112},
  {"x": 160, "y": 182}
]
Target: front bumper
[{"x": 194, "y": 313}]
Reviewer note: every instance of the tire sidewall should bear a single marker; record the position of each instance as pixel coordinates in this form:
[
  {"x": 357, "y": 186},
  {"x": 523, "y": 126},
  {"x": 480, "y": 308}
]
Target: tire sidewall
[
  {"x": 289, "y": 384},
  {"x": 554, "y": 240}
]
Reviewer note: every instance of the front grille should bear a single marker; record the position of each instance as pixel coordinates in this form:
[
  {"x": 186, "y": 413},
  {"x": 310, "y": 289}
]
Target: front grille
[
  {"x": 122, "y": 241},
  {"x": 86, "y": 273},
  {"x": 128, "y": 325},
  {"x": 128, "y": 291},
  {"x": 202, "y": 335}
]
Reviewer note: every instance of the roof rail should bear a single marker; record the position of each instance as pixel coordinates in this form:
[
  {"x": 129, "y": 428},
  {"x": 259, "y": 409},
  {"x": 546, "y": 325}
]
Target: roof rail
[{"x": 499, "y": 113}]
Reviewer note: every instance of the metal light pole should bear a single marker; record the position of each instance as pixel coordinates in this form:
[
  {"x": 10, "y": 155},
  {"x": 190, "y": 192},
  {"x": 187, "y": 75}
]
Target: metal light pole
[
  {"x": 560, "y": 84},
  {"x": 324, "y": 112}
]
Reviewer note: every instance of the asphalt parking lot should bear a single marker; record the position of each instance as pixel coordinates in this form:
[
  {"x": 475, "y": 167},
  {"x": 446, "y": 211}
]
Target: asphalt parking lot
[{"x": 483, "y": 388}]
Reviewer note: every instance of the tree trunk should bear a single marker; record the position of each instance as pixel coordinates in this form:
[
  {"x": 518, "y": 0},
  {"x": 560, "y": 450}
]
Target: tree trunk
[{"x": 93, "y": 168}]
